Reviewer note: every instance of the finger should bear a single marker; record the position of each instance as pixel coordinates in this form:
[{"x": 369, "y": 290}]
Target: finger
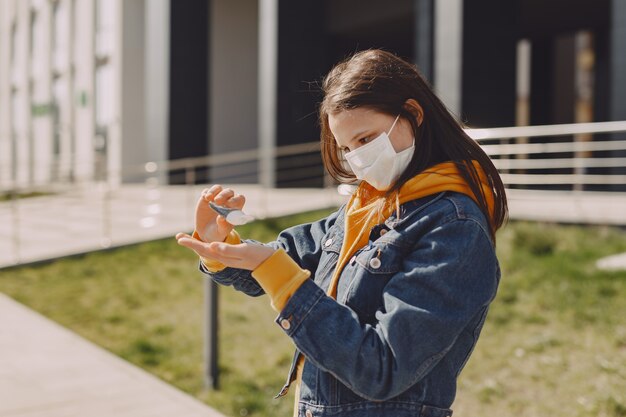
[
  {"x": 224, "y": 196},
  {"x": 226, "y": 252},
  {"x": 216, "y": 188},
  {"x": 193, "y": 244},
  {"x": 237, "y": 201},
  {"x": 201, "y": 249},
  {"x": 207, "y": 197},
  {"x": 182, "y": 235},
  {"x": 210, "y": 193},
  {"x": 221, "y": 252},
  {"x": 223, "y": 227}
]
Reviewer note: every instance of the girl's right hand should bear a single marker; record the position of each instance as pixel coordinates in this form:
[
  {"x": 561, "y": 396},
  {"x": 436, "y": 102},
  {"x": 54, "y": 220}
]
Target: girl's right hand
[{"x": 211, "y": 226}]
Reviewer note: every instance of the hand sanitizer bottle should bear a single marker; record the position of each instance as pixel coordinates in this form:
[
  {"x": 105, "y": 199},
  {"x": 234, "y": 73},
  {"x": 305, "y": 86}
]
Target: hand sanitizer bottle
[{"x": 235, "y": 217}]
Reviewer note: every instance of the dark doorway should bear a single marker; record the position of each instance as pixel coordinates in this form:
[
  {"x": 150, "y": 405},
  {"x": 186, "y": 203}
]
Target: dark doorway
[{"x": 189, "y": 80}]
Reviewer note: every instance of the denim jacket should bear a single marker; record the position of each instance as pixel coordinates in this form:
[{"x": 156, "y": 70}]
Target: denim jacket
[{"x": 410, "y": 306}]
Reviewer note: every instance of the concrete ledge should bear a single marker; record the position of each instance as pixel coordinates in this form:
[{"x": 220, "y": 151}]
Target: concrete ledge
[{"x": 612, "y": 263}]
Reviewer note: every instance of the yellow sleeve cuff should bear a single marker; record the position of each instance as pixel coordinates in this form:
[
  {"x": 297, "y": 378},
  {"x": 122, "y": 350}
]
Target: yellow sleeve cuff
[
  {"x": 280, "y": 277},
  {"x": 212, "y": 265}
]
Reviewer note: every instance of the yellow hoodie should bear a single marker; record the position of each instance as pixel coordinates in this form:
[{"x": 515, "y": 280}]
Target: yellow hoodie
[{"x": 280, "y": 276}]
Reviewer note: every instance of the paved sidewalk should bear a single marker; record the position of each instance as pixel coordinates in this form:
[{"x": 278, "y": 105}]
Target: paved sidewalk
[
  {"x": 48, "y": 371},
  {"x": 568, "y": 207}
]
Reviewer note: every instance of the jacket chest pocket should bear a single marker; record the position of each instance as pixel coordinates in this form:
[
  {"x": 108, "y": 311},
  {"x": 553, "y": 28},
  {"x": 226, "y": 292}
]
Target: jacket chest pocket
[
  {"x": 331, "y": 246},
  {"x": 365, "y": 277}
]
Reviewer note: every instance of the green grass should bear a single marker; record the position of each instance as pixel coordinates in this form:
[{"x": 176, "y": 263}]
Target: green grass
[
  {"x": 554, "y": 342},
  {"x": 8, "y": 196}
]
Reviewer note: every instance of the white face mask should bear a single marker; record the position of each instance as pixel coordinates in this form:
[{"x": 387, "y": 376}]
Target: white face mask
[{"x": 378, "y": 163}]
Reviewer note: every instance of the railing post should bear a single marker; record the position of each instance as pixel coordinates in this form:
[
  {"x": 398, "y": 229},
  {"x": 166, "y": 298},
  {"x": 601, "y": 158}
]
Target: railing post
[
  {"x": 211, "y": 372},
  {"x": 106, "y": 240},
  {"x": 152, "y": 196},
  {"x": 210, "y": 299},
  {"x": 190, "y": 180},
  {"x": 267, "y": 93},
  {"x": 16, "y": 223}
]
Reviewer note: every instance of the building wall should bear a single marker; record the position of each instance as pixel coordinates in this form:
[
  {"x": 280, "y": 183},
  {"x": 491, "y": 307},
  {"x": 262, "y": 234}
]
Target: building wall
[
  {"x": 13, "y": 90},
  {"x": 43, "y": 160},
  {"x": 132, "y": 116},
  {"x": 78, "y": 102},
  {"x": 45, "y": 130},
  {"x": 6, "y": 148},
  {"x": 86, "y": 86},
  {"x": 140, "y": 59},
  {"x": 83, "y": 91}
]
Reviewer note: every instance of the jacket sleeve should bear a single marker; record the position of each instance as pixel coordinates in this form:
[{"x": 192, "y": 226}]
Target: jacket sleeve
[
  {"x": 425, "y": 306},
  {"x": 302, "y": 243}
]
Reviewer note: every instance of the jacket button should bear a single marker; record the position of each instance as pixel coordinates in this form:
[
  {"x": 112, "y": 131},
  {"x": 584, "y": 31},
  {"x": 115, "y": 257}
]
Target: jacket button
[
  {"x": 308, "y": 413},
  {"x": 328, "y": 242},
  {"x": 285, "y": 324},
  {"x": 383, "y": 231},
  {"x": 375, "y": 263}
]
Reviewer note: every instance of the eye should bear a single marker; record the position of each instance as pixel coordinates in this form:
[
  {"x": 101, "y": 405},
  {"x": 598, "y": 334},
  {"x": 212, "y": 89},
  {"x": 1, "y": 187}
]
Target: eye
[{"x": 363, "y": 141}]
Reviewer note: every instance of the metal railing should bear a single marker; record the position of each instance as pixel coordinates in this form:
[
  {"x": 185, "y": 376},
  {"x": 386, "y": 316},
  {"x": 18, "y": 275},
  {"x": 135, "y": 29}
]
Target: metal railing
[
  {"x": 578, "y": 157},
  {"x": 528, "y": 148},
  {"x": 572, "y": 155}
]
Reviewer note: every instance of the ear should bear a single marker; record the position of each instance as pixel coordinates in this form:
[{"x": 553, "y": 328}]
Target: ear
[{"x": 415, "y": 109}]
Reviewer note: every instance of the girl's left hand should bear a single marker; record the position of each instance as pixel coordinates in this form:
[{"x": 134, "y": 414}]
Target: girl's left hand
[{"x": 243, "y": 256}]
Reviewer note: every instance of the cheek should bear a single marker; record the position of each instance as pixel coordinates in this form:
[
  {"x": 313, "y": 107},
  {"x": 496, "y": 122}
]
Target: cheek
[{"x": 403, "y": 141}]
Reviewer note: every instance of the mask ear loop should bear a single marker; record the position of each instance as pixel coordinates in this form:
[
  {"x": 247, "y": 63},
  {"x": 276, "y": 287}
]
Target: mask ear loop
[{"x": 393, "y": 125}]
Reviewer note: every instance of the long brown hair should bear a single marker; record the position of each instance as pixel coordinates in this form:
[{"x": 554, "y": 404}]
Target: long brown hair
[{"x": 381, "y": 81}]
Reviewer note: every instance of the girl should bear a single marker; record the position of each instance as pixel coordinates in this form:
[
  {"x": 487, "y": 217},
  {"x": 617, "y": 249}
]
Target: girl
[{"x": 385, "y": 298}]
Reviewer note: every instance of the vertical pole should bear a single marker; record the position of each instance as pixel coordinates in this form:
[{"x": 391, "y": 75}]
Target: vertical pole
[
  {"x": 6, "y": 125},
  {"x": 618, "y": 60},
  {"x": 522, "y": 106},
  {"x": 106, "y": 239},
  {"x": 449, "y": 52},
  {"x": 190, "y": 182},
  {"x": 424, "y": 15},
  {"x": 583, "y": 112},
  {"x": 210, "y": 342},
  {"x": 15, "y": 213},
  {"x": 157, "y": 56},
  {"x": 617, "y": 83},
  {"x": 268, "y": 71}
]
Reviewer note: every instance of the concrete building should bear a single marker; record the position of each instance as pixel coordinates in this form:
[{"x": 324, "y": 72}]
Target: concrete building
[
  {"x": 94, "y": 89},
  {"x": 83, "y": 89}
]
